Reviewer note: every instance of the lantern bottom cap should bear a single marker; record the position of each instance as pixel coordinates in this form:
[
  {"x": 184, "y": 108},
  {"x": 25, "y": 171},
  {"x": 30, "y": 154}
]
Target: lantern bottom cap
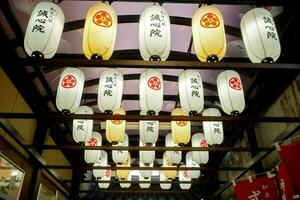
[
  {"x": 114, "y": 142},
  {"x": 235, "y": 113},
  {"x": 96, "y": 56},
  {"x": 37, "y": 55},
  {"x": 65, "y": 111},
  {"x": 155, "y": 58},
  {"x": 148, "y": 144},
  {"x": 181, "y": 144},
  {"x": 151, "y": 112},
  {"x": 193, "y": 113},
  {"x": 212, "y": 58},
  {"x": 108, "y": 112},
  {"x": 267, "y": 60}
]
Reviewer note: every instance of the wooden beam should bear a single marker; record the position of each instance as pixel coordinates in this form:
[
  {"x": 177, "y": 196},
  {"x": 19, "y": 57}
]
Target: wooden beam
[{"x": 135, "y": 190}]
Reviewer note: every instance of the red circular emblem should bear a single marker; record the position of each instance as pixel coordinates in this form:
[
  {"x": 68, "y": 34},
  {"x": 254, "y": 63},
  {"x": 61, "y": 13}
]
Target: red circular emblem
[
  {"x": 186, "y": 174},
  {"x": 181, "y": 123},
  {"x": 116, "y": 121},
  {"x": 210, "y": 20},
  {"x": 69, "y": 81},
  {"x": 92, "y": 142},
  {"x": 154, "y": 83},
  {"x": 235, "y": 83},
  {"x": 102, "y": 18},
  {"x": 203, "y": 143}
]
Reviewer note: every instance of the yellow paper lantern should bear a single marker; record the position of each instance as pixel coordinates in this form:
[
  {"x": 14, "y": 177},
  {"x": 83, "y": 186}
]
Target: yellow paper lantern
[
  {"x": 209, "y": 34},
  {"x": 123, "y": 174},
  {"x": 181, "y": 130},
  {"x": 115, "y": 129},
  {"x": 100, "y": 31},
  {"x": 170, "y": 174}
]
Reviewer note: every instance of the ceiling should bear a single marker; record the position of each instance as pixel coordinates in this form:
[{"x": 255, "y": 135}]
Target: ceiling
[{"x": 45, "y": 79}]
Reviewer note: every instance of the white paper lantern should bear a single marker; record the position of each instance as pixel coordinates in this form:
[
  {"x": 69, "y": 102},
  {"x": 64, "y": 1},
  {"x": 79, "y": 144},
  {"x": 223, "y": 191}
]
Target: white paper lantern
[
  {"x": 146, "y": 157},
  {"x": 101, "y": 162},
  {"x": 181, "y": 130},
  {"x": 260, "y": 36},
  {"x": 184, "y": 175},
  {"x": 100, "y": 30},
  {"x": 82, "y": 129},
  {"x": 213, "y": 131},
  {"x": 44, "y": 30},
  {"x": 126, "y": 185},
  {"x": 200, "y": 157},
  {"x": 120, "y": 156},
  {"x": 164, "y": 186},
  {"x": 69, "y": 90},
  {"x": 143, "y": 185},
  {"x": 169, "y": 174},
  {"x": 194, "y": 174},
  {"x": 151, "y": 91},
  {"x": 154, "y": 33},
  {"x": 106, "y": 177},
  {"x": 92, "y": 156},
  {"x": 174, "y": 157},
  {"x": 209, "y": 34},
  {"x": 191, "y": 91},
  {"x": 115, "y": 129},
  {"x": 148, "y": 131},
  {"x": 110, "y": 90},
  {"x": 145, "y": 173},
  {"x": 231, "y": 92}
]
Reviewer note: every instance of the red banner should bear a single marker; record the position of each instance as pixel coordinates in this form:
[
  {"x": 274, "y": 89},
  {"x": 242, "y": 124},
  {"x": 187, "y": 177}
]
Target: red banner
[
  {"x": 261, "y": 188},
  {"x": 290, "y": 156},
  {"x": 286, "y": 185}
]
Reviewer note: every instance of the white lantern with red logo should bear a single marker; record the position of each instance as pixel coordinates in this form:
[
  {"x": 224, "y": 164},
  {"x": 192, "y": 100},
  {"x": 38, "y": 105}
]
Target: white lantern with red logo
[
  {"x": 102, "y": 162},
  {"x": 181, "y": 130},
  {"x": 115, "y": 129},
  {"x": 231, "y": 93},
  {"x": 106, "y": 177},
  {"x": 209, "y": 34},
  {"x": 169, "y": 174},
  {"x": 184, "y": 175},
  {"x": 126, "y": 185},
  {"x": 69, "y": 90},
  {"x": 173, "y": 157},
  {"x": 154, "y": 33},
  {"x": 120, "y": 156},
  {"x": 110, "y": 90},
  {"x": 143, "y": 185},
  {"x": 123, "y": 174},
  {"x": 191, "y": 91},
  {"x": 92, "y": 156},
  {"x": 213, "y": 131},
  {"x": 44, "y": 30},
  {"x": 260, "y": 36},
  {"x": 100, "y": 30},
  {"x": 145, "y": 173},
  {"x": 164, "y": 186},
  {"x": 148, "y": 131},
  {"x": 198, "y": 140},
  {"x": 82, "y": 129},
  {"x": 151, "y": 91},
  {"x": 194, "y": 174},
  {"x": 146, "y": 157}
]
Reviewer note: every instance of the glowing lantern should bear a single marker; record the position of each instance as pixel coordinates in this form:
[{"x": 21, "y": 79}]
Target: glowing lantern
[
  {"x": 120, "y": 156},
  {"x": 181, "y": 130},
  {"x": 44, "y": 30},
  {"x": 174, "y": 157},
  {"x": 100, "y": 31},
  {"x": 164, "y": 186},
  {"x": 148, "y": 131},
  {"x": 194, "y": 174},
  {"x": 110, "y": 90},
  {"x": 115, "y": 129},
  {"x": 145, "y": 173},
  {"x": 213, "y": 131},
  {"x": 191, "y": 91},
  {"x": 101, "y": 162},
  {"x": 82, "y": 129},
  {"x": 91, "y": 156},
  {"x": 184, "y": 175},
  {"x": 151, "y": 91},
  {"x": 198, "y": 140},
  {"x": 69, "y": 90},
  {"x": 209, "y": 34},
  {"x": 123, "y": 174},
  {"x": 106, "y": 177},
  {"x": 154, "y": 33},
  {"x": 169, "y": 174},
  {"x": 143, "y": 185},
  {"x": 231, "y": 93},
  {"x": 260, "y": 36},
  {"x": 126, "y": 185},
  {"x": 146, "y": 157}
]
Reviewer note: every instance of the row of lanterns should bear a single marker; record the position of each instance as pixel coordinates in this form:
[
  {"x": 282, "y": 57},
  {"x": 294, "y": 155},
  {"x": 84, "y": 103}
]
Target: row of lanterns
[{"x": 258, "y": 29}]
